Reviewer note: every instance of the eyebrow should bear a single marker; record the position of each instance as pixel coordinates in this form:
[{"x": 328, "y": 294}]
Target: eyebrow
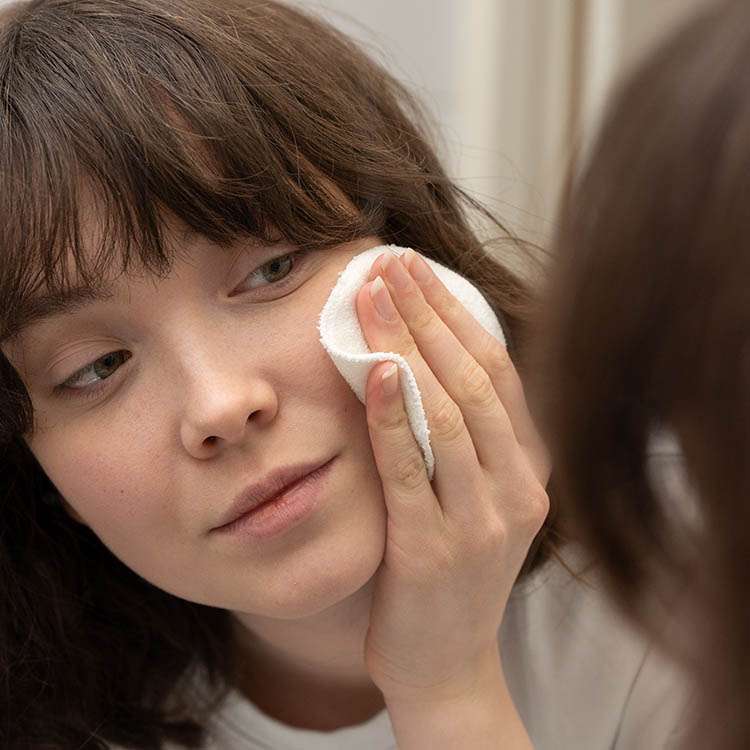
[{"x": 42, "y": 307}]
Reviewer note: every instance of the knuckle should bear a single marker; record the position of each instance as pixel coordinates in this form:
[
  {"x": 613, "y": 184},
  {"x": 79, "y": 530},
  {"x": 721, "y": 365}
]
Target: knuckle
[
  {"x": 408, "y": 471},
  {"x": 494, "y": 536},
  {"x": 536, "y": 506},
  {"x": 396, "y": 423},
  {"x": 476, "y": 384},
  {"x": 496, "y": 532},
  {"x": 447, "y": 421},
  {"x": 448, "y": 303},
  {"x": 423, "y": 321},
  {"x": 487, "y": 538},
  {"x": 540, "y": 504},
  {"x": 406, "y": 346},
  {"x": 496, "y": 355}
]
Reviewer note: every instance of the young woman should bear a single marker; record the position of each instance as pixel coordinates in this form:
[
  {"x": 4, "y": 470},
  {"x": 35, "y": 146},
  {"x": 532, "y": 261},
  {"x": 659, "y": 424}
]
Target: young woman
[
  {"x": 183, "y": 182},
  {"x": 649, "y": 330}
]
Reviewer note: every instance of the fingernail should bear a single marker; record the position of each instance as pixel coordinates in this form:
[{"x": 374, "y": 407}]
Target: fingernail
[
  {"x": 389, "y": 380},
  {"x": 418, "y": 269},
  {"x": 394, "y": 271},
  {"x": 382, "y": 300}
]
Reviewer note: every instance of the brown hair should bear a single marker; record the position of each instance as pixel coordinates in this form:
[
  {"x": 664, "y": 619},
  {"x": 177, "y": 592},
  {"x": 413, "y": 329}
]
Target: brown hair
[
  {"x": 234, "y": 117},
  {"x": 648, "y": 327}
]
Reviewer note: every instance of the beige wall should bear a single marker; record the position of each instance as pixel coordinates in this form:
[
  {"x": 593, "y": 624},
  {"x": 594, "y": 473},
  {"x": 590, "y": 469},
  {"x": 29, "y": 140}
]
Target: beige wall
[{"x": 512, "y": 82}]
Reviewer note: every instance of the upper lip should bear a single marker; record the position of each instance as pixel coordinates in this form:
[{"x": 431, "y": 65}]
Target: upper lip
[{"x": 273, "y": 484}]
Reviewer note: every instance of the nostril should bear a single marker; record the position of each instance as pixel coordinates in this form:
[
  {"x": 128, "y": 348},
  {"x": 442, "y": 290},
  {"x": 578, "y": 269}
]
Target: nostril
[{"x": 210, "y": 440}]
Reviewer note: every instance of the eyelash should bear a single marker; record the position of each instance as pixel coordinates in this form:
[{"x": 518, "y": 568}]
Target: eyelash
[
  {"x": 297, "y": 265},
  {"x": 90, "y": 392}
]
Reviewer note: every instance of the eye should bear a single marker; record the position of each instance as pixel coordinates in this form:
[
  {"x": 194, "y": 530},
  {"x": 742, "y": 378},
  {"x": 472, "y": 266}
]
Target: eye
[
  {"x": 275, "y": 274},
  {"x": 276, "y": 269},
  {"x": 96, "y": 371}
]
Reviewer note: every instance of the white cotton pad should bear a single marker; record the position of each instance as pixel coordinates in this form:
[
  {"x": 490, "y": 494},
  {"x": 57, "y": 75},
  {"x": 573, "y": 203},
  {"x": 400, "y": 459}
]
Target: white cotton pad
[{"x": 342, "y": 337}]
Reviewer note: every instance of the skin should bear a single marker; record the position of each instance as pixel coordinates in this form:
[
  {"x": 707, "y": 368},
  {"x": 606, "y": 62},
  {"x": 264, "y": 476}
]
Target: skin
[
  {"x": 213, "y": 398},
  {"x": 392, "y": 590}
]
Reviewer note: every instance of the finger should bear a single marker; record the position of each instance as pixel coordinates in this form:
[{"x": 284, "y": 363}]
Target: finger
[
  {"x": 410, "y": 500},
  {"x": 376, "y": 269},
  {"x": 467, "y": 384},
  {"x": 489, "y": 353},
  {"x": 451, "y": 443},
  {"x": 484, "y": 347}
]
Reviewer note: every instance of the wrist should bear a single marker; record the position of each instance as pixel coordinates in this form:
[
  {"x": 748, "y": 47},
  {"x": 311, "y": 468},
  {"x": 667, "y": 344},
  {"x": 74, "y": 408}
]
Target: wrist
[
  {"x": 477, "y": 713},
  {"x": 473, "y": 677}
]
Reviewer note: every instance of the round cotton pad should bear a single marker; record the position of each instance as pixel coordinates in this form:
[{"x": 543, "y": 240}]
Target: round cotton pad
[{"x": 342, "y": 337}]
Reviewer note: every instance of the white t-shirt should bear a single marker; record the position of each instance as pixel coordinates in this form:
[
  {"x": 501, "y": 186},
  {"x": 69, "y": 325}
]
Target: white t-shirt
[{"x": 581, "y": 678}]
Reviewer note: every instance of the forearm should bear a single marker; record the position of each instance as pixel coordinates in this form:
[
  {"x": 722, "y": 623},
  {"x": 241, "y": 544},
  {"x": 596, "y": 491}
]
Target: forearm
[{"x": 482, "y": 718}]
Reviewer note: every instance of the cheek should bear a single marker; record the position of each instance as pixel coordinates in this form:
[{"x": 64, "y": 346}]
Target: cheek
[
  {"x": 321, "y": 383},
  {"x": 119, "y": 486},
  {"x": 101, "y": 472},
  {"x": 300, "y": 366}
]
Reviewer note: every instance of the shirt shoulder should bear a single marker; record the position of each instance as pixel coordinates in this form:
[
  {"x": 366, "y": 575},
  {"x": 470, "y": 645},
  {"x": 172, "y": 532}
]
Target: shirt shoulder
[{"x": 580, "y": 674}]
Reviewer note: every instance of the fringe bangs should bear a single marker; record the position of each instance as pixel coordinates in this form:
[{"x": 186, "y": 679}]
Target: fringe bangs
[{"x": 118, "y": 143}]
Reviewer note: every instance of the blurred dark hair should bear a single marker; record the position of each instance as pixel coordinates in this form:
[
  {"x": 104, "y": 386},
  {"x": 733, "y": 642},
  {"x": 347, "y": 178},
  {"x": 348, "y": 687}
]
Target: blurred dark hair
[
  {"x": 240, "y": 118},
  {"x": 647, "y": 329}
]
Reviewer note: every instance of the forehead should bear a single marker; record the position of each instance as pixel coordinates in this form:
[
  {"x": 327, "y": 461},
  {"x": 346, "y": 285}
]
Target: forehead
[
  {"x": 85, "y": 280},
  {"x": 86, "y": 273},
  {"x": 67, "y": 263},
  {"x": 46, "y": 304}
]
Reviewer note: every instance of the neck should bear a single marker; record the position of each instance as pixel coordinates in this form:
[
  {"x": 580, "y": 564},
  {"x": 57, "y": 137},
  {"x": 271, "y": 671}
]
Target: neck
[{"x": 310, "y": 672}]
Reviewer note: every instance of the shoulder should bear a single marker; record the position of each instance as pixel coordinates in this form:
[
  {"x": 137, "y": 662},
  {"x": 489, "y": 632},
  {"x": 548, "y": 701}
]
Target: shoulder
[{"x": 580, "y": 674}]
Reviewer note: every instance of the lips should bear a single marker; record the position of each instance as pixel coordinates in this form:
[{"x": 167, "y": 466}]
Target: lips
[{"x": 269, "y": 488}]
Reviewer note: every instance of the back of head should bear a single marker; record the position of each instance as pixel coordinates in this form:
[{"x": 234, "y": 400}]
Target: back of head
[{"x": 649, "y": 327}]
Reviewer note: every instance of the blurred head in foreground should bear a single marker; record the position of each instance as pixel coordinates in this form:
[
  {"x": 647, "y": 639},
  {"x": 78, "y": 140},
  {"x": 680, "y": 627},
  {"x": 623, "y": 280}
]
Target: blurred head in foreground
[{"x": 648, "y": 329}]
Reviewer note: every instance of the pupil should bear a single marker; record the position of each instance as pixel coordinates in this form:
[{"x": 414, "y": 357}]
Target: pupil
[
  {"x": 105, "y": 366},
  {"x": 277, "y": 268}
]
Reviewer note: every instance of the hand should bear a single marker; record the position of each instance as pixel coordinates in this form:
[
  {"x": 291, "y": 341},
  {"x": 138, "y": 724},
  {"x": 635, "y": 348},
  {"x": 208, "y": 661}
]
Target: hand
[{"x": 453, "y": 548}]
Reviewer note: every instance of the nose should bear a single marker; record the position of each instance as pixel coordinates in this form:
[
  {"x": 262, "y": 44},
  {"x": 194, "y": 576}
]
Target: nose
[{"x": 223, "y": 406}]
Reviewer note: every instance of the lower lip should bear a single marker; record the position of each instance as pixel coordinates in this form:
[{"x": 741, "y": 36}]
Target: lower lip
[{"x": 285, "y": 510}]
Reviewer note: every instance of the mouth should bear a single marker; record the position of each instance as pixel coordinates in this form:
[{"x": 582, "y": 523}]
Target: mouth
[{"x": 280, "y": 498}]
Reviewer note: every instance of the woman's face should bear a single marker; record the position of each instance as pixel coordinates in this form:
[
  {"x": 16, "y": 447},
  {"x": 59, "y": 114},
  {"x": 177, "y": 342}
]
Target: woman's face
[{"x": 159, "y": 406}]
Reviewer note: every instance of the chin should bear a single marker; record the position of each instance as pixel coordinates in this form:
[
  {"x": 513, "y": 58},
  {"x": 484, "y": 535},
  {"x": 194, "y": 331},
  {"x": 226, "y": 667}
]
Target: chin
[
  {"x": 288, "y": 597},
  {"x": 336, "y": 567},
  {"x": 327, "y": 587}
]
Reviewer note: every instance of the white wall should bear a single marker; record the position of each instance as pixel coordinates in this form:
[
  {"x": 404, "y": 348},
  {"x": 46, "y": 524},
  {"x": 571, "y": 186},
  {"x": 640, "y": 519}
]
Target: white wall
[{"x": 512, "y": 83}]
